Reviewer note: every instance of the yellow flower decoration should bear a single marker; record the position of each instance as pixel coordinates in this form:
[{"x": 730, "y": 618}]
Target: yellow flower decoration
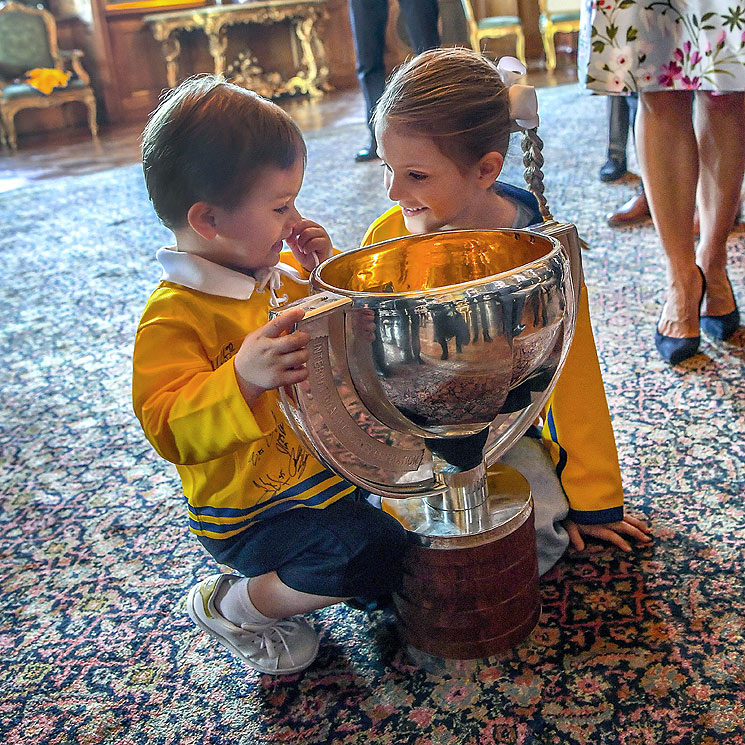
[{"x": 46, "y": 79}]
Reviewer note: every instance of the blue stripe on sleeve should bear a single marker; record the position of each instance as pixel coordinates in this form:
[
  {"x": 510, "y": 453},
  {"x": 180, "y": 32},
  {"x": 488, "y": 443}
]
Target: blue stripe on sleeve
[
  {"x": 293, "y": 491},
  {"x": 561, "y": 464},
  {"x": 595, "y": 517}
]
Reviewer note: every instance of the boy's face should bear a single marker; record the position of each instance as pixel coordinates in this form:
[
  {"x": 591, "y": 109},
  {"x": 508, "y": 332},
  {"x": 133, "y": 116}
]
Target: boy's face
[
  {"x": 434, "y": 194},
  {"x": 251, "y": 235}
]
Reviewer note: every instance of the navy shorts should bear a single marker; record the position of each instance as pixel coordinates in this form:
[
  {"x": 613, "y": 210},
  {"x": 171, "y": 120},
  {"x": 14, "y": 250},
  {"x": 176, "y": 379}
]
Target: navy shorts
[{"x": 348, "y": 549}]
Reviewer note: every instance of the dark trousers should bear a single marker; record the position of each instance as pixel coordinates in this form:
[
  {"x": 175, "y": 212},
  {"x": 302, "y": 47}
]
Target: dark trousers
[
  {"x": 621, "y": 114},
  {"x": 369, "y": 19}
]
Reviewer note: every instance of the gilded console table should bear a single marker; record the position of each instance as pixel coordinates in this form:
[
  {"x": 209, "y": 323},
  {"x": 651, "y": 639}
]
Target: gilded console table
[{"x": 308, "y": 54}]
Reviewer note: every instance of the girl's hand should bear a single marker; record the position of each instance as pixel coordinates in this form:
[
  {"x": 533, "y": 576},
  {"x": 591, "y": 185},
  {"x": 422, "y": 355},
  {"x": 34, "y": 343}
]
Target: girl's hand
[
  {"x": 310, "y": 244},
  {"x": 610, "y": 532},
  {"x": 270, "y": 357}
]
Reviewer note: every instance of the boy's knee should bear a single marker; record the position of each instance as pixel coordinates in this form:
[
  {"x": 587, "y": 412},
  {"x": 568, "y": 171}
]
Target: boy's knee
[{"x": 376, "y": 567}]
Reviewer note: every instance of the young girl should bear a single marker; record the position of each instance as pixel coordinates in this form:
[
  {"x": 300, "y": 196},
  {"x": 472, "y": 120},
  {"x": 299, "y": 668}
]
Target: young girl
[{"x": 443, "y": 127}]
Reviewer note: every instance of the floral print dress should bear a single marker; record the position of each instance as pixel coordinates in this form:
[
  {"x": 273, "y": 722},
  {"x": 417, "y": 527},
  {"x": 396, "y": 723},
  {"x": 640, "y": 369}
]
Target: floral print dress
[{"x": 654, "y": 45}]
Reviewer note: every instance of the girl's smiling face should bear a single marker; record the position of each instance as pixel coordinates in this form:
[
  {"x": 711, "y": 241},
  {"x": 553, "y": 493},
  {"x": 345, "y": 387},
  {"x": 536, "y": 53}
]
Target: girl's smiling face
[{"x": 433, "y": 192}]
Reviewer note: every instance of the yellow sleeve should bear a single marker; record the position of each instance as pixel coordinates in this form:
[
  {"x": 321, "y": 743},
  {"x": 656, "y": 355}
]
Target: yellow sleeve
[
  {"x": 190, "y": 412},
  {"x": 578, "y": 434},
  {"x": 389, "y": 225}
]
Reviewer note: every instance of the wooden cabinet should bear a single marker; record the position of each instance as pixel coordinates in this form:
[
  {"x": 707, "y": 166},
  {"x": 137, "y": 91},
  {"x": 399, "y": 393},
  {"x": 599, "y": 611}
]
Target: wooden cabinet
[{"x": 133, "y": 71}]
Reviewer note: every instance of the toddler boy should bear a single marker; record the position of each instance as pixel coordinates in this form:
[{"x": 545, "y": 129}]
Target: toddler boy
[{"x": 223, "y": 167}]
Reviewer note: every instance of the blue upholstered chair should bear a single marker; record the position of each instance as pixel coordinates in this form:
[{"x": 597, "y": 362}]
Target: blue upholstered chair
[{"x": 28, "y": 40}]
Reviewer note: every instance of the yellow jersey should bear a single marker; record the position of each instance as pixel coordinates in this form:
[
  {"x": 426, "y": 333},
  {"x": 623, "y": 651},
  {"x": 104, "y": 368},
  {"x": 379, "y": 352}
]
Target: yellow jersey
[{"x": 238, "y": 464}]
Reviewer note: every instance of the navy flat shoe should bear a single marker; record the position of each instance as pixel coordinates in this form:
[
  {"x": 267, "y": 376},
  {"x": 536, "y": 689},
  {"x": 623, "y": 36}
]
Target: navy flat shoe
[
  {"x": 673, "y": 349},
  {"x": 722, "y": 327}
]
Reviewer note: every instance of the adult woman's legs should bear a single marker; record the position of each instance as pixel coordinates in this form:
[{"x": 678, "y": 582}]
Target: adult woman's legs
[
  {"x": 668, "y": 153},
  {"x": 719, "y": 122}
]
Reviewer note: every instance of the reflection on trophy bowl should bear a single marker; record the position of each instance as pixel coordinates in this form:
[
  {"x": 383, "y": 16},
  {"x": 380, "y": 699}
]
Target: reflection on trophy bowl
[
  {"x": 454, "y": 321},
  {"x": 430, "y": 338}
]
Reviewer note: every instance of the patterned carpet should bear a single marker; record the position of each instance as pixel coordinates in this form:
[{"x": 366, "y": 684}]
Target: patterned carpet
[{"x": 96, "y": 557}]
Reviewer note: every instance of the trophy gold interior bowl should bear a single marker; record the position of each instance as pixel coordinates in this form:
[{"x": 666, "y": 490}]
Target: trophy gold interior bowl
[{"x": 460, "y": 319}]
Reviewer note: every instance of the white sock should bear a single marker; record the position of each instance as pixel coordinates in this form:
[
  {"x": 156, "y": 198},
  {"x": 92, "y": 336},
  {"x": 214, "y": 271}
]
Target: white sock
[{"x": 234, "y": 603}]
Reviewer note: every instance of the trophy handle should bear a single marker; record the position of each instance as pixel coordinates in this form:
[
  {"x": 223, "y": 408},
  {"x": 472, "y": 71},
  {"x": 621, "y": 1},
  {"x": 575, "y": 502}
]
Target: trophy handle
[{"x": 332, "y": 421}]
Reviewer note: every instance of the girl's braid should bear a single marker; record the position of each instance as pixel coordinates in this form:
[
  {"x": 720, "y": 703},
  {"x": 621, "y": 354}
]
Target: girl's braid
[{"x": 532, "y": 146}]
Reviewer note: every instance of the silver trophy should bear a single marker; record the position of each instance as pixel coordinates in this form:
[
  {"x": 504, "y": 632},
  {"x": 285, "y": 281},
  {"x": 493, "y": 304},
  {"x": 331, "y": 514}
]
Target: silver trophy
[{"x": 430, "y": 356}]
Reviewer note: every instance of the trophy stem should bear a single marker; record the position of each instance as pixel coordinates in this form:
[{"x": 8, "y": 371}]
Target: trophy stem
[
  {"x": 460, "y": 464},
  {"x": 464, "y": 505}
]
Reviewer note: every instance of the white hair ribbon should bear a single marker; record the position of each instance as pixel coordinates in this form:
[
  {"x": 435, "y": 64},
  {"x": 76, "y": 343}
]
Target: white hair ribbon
[{"x": 523, "y": 98}]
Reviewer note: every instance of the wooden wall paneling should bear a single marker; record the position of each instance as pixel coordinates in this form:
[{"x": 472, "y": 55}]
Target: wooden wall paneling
[
  {"x": 335, "y": 32},
  {"x": 140, "y": 72},
  {"x": 528, "y": 12},
  {"x": 132, "y": 73}
]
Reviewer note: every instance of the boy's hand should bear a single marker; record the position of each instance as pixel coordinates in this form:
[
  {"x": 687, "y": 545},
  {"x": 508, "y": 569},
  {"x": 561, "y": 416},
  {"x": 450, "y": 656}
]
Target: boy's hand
[
  {"x": 309, "y": 238},
  {"x": 270, "y": 357},
  {"x": 611, "y": 532}
]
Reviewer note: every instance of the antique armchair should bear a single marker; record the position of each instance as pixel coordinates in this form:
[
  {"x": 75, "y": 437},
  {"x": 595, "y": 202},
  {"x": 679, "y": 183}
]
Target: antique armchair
[
  {"x": 556, "y": 16},
  {"x": 494, "y": 27},
  {"x": 28, "y": 40}
]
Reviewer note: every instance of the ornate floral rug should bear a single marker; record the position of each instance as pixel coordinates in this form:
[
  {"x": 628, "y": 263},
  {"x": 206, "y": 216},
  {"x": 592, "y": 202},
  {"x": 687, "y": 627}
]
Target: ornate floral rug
[{"x": 96, "y": 646}]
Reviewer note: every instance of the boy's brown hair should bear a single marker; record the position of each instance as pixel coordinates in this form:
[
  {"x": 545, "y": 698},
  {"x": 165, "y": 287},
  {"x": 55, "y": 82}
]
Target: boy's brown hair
[
  {"x": 456, "y": 96},
  {"x": 209, "y": 141}
]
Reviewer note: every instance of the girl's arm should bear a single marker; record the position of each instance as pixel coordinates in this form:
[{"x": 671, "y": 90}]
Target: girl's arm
[{"x": 578, "y": 435}]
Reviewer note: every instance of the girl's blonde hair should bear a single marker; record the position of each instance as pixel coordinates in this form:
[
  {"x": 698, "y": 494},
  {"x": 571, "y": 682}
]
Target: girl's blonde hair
[{"x": 456, "y": 96}]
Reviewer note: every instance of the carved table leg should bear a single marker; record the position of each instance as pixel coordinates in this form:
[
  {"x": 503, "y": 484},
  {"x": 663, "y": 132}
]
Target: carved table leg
[
  {"x": 10, "y": 127},
  {"x": 218, "y": 43},
  {"x": 312, "y": 76},
  {"x": 171, "y": 48},
  {"x": 90, "y": 102}
]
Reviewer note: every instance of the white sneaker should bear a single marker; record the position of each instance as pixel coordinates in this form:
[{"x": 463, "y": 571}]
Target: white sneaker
[{"x": 285, "y": 646}]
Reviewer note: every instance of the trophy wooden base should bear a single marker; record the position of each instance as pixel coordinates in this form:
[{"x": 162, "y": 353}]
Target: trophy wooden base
[{"x": 468, "y": 597}]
